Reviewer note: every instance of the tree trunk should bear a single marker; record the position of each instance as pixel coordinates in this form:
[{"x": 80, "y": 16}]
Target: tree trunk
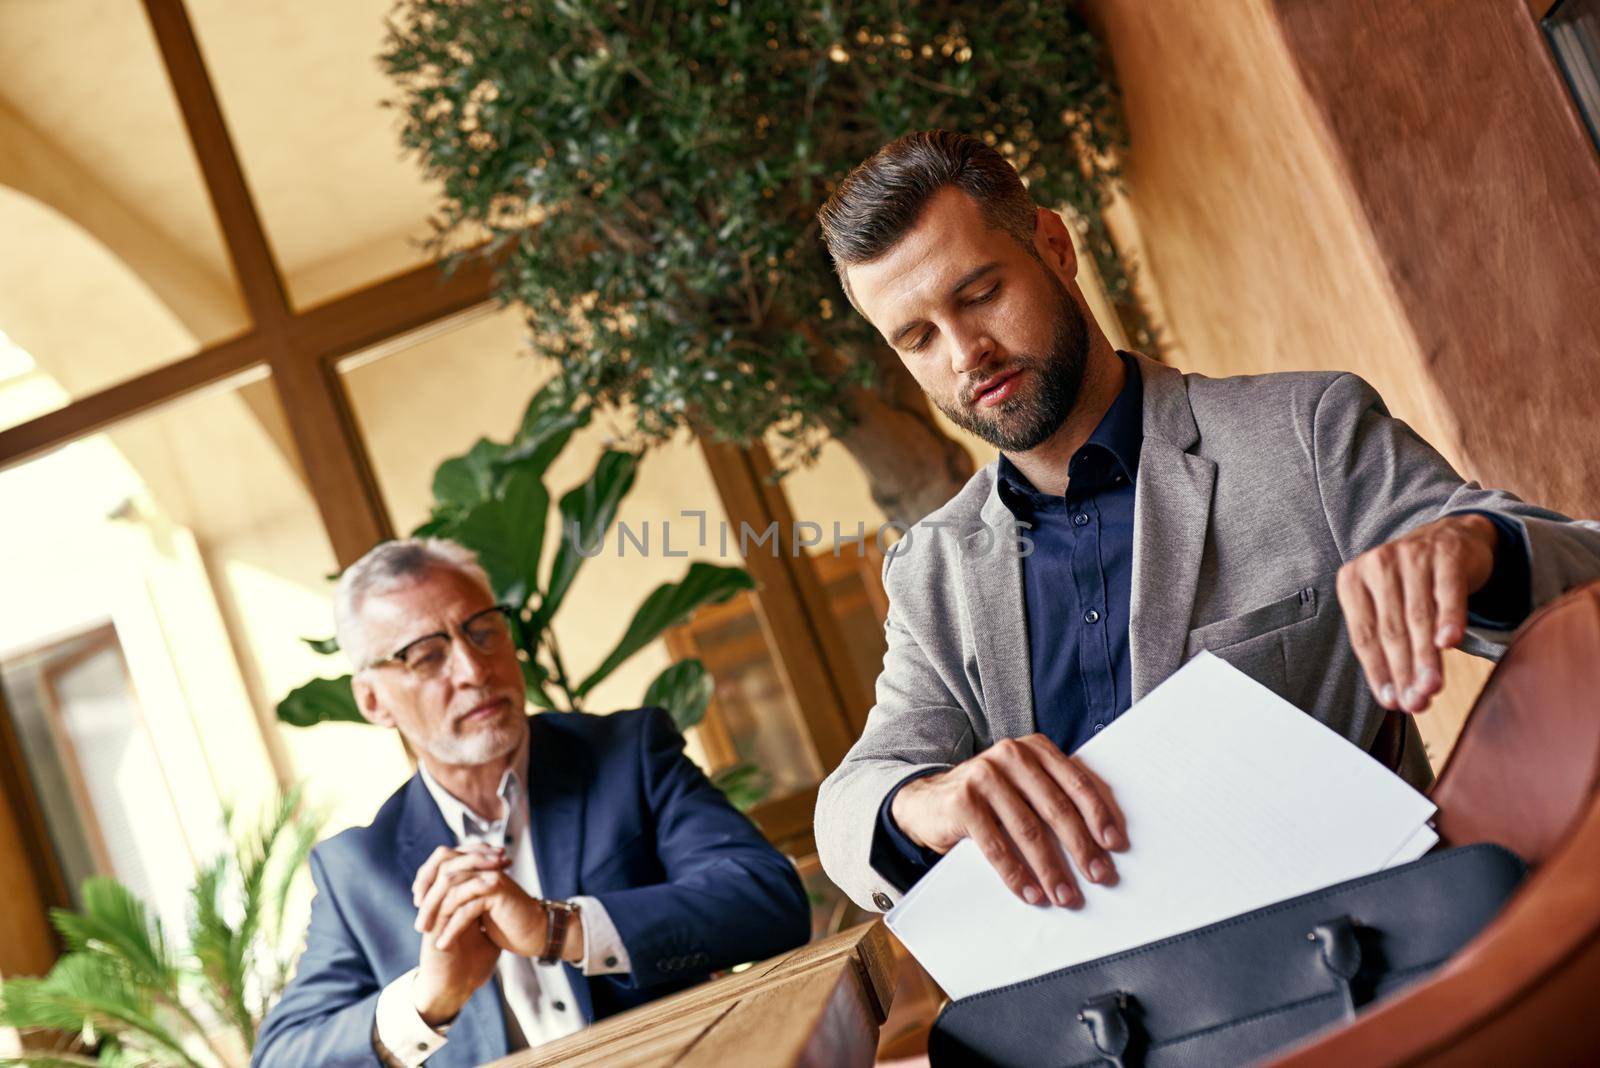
[{"x": 911, "y": 464}]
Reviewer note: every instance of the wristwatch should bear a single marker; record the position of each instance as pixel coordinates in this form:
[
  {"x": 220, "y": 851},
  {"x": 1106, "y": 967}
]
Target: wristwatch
[{"x": 558, "y": 915}]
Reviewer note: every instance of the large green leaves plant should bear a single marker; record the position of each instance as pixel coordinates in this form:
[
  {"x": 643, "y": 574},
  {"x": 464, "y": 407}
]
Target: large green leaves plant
[
  {"x": 648, "y": 175},
  {"x": 132, "y": 997},
  {"x": 493, "y": 500}
]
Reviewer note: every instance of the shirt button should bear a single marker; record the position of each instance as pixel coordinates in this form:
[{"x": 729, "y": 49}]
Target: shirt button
[
  {"x": 560, "y": 1006},
  {"x": 881, "y": 900},
  {"x": 1091, "y": 616},
  {"x": 1081, "y": 518},
  {"x": 611, "y": 962},
  {"x": 422, "y": 1047}
]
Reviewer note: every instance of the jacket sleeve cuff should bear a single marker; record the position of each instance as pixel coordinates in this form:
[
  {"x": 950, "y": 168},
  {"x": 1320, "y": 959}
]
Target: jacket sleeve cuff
[
  {"x": 894, "y": 856},
  {"x": 1506, "y": 599},
  {"x": 603, "y": 951},
  {"x": 401, "y": 1036}
]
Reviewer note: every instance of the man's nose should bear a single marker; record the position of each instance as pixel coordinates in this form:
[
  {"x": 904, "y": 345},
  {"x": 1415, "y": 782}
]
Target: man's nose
[
  {"x": 469, "y": 667},
  {"x": 970, "y": 350}
]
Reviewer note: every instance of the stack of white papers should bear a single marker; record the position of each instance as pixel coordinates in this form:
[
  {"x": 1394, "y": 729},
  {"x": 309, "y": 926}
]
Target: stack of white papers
[{"x": 1233, "y": 798}]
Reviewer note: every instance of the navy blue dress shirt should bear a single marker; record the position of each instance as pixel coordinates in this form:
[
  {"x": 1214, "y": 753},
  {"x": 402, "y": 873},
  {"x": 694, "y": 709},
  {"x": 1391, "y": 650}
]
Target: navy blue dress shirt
[{"x": 1077, "y": 584}]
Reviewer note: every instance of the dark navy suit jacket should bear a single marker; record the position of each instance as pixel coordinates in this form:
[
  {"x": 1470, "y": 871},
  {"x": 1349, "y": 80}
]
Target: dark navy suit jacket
[{"x": 618, "y": 812}]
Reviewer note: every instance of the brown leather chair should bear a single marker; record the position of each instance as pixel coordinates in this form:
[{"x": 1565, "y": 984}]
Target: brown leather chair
[{"x": 1524, "y": 774}]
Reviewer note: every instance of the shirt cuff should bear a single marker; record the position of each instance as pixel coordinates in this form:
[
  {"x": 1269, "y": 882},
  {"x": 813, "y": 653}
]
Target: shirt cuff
[
  {"x": 405, "y": 1037},
  {"x": 894, "y": 856},
  {"x": 1506, "y": 599},
  {"x": 603, "y": 951}
]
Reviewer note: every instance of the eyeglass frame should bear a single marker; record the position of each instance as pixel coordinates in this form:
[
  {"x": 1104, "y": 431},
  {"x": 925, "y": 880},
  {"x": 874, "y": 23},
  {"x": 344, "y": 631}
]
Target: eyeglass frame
[{"x": 399, "y": 655}]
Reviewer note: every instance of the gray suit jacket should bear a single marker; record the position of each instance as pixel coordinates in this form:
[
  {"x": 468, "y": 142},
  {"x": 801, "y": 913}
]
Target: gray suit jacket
[{"x": 1250, "y": 494}]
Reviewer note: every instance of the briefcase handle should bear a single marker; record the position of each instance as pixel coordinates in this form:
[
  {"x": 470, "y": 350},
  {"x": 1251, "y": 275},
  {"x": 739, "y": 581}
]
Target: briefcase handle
[{"x": 1110, "y": 1023}]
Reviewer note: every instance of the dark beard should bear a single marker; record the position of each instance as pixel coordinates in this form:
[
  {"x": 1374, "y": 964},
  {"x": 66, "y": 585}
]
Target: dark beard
[{"x": 1027, "y": 419}]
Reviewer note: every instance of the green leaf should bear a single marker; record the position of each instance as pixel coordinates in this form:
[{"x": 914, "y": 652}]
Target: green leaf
[
  {"x": 320, "y": 701},
  {"x": 684, "y": 690},
  {"x": 219, "y": 947},
  {"x": 587, "y": 512},
  {"x": 439, "y": 524},
  {"x": 325, "y": 646},
  {"x": 507, "y": 533},
  {"x": 533, "y": 679},
  {"x": 547, "y": 425},
  {"x": 87, "y": 989},
  {"x": 745, "y": 785},
  {"x": 114, "y": 923},
  {"x": 468, "y": 479},
  {"x": 668, "y": 605}
]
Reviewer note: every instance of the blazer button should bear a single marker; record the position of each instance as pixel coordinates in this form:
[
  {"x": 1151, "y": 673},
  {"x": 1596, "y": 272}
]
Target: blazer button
[{"x": 881, "y": 900}]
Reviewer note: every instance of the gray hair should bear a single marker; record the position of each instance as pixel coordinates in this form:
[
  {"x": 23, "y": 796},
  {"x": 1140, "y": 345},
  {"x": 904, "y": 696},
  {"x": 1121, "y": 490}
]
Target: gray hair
[
  {"x": 884, "y": 196},
  {"x": 391, "y": 566}
]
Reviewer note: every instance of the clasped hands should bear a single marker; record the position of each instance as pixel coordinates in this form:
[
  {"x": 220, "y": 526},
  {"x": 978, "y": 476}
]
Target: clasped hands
[
  {"x": 1029, "y": 807},
  {"x": 468, "y": 910}
]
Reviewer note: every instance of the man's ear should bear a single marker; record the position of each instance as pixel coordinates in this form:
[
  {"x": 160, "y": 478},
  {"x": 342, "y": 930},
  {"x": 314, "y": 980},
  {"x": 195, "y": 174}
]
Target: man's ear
[
  {"x": 1054, "y": 244},
  {"x": 369, "y": 703}
]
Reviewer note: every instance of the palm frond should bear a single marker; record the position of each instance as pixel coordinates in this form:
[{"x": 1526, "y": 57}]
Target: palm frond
[
  {"x": 216, "y": 946},
  {"x": 88, "y": 990},
  {"x": 114, "y": 923}
]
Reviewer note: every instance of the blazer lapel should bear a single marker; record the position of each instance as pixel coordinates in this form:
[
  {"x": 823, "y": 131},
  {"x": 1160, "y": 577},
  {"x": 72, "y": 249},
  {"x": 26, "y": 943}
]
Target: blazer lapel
[
  {"x": 1171, "y": 512},
  {"x": 422, "y": 830},
  {"x": 558, "y": 780},
  {"x": 992, "y": 575}
]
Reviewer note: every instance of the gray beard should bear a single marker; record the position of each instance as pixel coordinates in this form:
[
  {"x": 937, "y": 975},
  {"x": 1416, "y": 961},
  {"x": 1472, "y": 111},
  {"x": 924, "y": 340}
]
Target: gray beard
[
  {"x": 479, "y": 747},
  {"x": 1022, "y": 422}
]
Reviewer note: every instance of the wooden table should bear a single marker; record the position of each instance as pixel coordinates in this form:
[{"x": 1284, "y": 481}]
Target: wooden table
[{"x": 820, "y": 1005}]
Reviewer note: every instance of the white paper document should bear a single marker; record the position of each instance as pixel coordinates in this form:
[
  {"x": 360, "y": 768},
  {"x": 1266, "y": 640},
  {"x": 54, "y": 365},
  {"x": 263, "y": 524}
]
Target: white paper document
[{"x": 1233, "y": 798}]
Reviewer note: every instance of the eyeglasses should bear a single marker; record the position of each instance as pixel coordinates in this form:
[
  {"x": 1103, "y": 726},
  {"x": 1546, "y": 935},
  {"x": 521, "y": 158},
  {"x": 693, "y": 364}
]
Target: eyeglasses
[{"x": 488, "y": 631}]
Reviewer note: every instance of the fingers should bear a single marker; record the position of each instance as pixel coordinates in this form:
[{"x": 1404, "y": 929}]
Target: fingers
[
  {"x": 1450, "y": 602},
  {"x": 1388, "y": 599},
  {"x": 430, "y": 867},
  {"x": 460, "y": 918},
  {"x": 1030, "y": 808},
  {"x": 1087, "y": 792},
  {"x": 1071, "y": 806},
  {"x": 451, "y": 871},
  {"x": 1416, "y": 579},
  {"x": 1042, "y": 822},
  {"x": 984, "y": 794},
  {"x": 1361, "y": 620}
]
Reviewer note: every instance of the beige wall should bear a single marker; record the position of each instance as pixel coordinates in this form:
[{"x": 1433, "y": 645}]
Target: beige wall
[
  {"x": 1265, "y": 255},
  {"x": 1400, "y": 190}
]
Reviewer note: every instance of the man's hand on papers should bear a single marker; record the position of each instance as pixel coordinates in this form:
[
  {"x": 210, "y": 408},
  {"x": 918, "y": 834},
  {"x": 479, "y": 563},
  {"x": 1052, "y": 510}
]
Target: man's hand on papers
[
  {"x": 1407, "y": 599},
  {"x": 1022, "y": 801}
]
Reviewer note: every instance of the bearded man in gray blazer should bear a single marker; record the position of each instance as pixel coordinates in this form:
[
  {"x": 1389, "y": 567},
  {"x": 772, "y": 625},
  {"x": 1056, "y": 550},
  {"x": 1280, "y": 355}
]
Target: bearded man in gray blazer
[{"x": 1285, "y": 522}]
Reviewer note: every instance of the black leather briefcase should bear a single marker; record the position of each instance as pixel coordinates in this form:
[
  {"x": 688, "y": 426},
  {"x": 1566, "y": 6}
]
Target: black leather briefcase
[{"x": 1238, "y": 990}]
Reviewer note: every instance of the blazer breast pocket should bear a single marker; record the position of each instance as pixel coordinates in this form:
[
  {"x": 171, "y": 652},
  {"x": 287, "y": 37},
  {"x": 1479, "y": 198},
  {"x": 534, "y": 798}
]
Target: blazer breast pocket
[
  {"x": 1235, "y": 630},
  {"x": 1253, "y": 641}
]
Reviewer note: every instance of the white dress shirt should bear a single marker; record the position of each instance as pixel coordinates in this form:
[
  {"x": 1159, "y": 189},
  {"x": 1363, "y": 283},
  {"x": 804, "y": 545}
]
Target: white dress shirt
[{"x": 537, "y": 999}]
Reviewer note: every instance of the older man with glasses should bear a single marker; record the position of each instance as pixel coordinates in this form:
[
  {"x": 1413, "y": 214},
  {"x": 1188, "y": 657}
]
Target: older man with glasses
[{"x": 536, "y": 874}]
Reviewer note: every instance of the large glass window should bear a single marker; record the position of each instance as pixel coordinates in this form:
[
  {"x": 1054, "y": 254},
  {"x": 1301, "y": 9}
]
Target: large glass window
[{"x": 158, "y": 580}]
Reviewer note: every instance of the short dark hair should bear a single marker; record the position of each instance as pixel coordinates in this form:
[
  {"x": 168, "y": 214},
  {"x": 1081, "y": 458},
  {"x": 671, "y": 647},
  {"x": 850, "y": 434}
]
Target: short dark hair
[{"x": 884, "y": 196}]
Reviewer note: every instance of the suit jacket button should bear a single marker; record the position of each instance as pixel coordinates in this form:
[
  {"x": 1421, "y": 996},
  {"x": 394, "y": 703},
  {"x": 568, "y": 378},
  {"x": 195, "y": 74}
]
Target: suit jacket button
[{"x": 881, "y": 900}]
